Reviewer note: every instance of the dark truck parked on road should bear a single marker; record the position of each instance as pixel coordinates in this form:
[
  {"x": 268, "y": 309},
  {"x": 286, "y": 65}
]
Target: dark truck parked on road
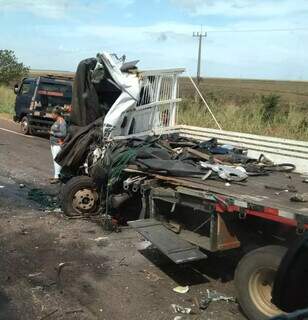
[{"x": 35, "y": 99}]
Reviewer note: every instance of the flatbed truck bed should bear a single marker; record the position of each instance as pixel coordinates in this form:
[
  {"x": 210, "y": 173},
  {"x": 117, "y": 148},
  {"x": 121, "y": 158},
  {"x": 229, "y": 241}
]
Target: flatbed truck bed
[
  {"x": 272, "y": 191},
  {"x": 212, "y": 216}
]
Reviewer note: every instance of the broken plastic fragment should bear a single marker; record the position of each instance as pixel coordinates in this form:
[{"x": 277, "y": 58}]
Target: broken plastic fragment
[
  {"x": 214, "y": 296},
  {"x": 180, "y": 289},
  {"x": 179, "y": 309}
]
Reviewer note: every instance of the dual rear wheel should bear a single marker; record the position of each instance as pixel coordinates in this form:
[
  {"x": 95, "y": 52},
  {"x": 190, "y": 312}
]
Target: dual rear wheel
[{"x": 254, "y": 280}]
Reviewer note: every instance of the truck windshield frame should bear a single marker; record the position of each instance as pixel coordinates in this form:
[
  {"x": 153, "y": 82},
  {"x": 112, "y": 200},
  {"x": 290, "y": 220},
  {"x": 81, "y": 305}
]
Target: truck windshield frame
[
  {"x": 51, "y": 94},
  {"x": 59, "y": 89}
]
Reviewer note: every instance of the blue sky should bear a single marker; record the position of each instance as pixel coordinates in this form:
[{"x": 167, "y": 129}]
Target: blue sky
[{"x": 57, "y": 34}]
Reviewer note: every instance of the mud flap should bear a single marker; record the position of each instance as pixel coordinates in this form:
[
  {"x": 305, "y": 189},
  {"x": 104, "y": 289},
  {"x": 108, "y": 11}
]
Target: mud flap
[{"x": 169, "y": 243}]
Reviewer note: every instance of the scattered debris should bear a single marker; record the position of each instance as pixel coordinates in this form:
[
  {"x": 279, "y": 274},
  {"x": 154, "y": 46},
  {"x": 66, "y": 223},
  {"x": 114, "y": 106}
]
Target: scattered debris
[
  {"x": 151, "y": 275},
  {"x": 179, "y": 309},
  {"x": 1, "y": 187},
  {"x": 225, "y": 172},
  {"x": 40, "y": 281},
  {"x": 49, "y": 315},
  {"x": 181, "y": 289},
  {"x": 101, "y": 241},
  {"x": 24, "y": 231},
  {"x": 204, "y": 303},
  {"x": 33, "y": 275},
  {"x": 74, "y": 311},
  {"x": 300, "y": 197},
  {"x": 213, "y": 296},
  {"x": 59, "y": 268},
  {"x": 178, "y": 318},
  {"x": 280, "y": 189},
  {"x": 107, "y": 223},
  {"x": 21, "y": 185},
  {"x": 45, "y": 200}
]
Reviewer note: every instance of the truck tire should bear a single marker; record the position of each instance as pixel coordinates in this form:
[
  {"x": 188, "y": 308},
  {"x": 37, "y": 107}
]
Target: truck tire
[
  {"x": 79, "y": 196},
  {"x": 25, "y": 125},
  {"x": 254, "y": 280}
]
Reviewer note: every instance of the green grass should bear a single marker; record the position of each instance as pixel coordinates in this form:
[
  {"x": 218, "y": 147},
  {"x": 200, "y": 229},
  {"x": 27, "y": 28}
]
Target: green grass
[
  {"x": 286, "y": 122},
  {"x": 7, "y": 100},
  {"x": 288, "y": 118}
]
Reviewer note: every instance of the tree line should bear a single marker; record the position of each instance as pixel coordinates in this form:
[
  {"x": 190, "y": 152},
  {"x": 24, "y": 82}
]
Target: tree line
[{"x": 10, "y": 69}]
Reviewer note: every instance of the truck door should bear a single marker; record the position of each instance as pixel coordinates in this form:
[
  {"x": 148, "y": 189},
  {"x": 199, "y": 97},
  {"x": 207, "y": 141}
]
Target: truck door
[{"x": 24, "y": 98}]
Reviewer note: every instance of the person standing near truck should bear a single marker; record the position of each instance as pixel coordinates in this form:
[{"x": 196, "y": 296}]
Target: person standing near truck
[{"x": 58, "y": 133}]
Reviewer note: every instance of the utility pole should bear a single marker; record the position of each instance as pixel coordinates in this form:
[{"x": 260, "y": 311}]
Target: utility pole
[{"x": 199, "y": 35}]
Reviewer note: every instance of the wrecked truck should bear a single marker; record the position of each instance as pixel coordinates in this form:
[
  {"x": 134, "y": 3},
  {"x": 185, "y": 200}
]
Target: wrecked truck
[{"x": 190, "y": 191}]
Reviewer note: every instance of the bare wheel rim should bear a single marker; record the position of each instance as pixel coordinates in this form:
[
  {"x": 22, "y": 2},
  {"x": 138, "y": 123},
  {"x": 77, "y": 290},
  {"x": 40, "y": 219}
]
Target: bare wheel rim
[
  {"x": 85, "y": 200},
  {"x": 260, "y": 290}
]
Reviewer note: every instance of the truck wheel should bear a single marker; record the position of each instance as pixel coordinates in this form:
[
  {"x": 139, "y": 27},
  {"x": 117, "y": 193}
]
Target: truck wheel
[
  {"x": 25, "y": 125},
  {"x": 80, "y": 197},
  {"x": 254, "y": 280}
]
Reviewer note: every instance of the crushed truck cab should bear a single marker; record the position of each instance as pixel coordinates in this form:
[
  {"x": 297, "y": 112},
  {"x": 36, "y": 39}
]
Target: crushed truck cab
[{"x": 35, "y": 99}]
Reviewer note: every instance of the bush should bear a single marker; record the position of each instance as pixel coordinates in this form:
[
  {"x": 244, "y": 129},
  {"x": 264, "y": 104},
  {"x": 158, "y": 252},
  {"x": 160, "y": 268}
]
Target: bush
[
  {"x": 10, "y": 69},
  {"x": 269, "y": 107},
  {"x": 247, "y": 118},
  {"x": 7, "y": 98}
]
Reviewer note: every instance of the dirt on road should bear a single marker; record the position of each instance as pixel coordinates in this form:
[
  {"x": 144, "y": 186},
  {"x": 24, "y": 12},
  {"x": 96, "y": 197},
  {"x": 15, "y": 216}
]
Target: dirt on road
[{"x": 52, "y": 267}]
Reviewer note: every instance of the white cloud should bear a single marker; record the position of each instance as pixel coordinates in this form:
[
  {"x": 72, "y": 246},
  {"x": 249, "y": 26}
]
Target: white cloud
[
  {"x": 57, "y": 9},
  {"x": 45, "y": 8},
  {"x": 243, "y": 8}
]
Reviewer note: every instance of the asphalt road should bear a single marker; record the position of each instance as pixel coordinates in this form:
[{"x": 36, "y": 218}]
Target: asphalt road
[
  {"x": 115, "y": 276},
  {"x": 24, "y": 157}
]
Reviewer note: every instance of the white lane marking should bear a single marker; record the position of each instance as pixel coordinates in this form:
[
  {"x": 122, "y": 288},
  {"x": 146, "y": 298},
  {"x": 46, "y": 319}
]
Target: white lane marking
[{"x": 19, "y": 134}]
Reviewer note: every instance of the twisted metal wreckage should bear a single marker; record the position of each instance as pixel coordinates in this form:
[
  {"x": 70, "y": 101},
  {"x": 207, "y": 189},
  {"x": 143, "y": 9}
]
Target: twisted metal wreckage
[{"x": 125, "y": 160}]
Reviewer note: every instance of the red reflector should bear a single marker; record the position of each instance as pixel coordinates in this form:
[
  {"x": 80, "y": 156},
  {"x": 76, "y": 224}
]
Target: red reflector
[{"x": 272, "y": 211}]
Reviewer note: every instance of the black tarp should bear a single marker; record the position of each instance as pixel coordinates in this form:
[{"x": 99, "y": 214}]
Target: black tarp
[
  {"x": 76, "y": 147},
  {"x": 93, "y": 92},
  {"x": 85, "y": 101},
  {"x": 149, "y": 154}
]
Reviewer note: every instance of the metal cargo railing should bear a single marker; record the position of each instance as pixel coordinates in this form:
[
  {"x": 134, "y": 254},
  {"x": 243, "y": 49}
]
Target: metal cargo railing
[{"x": 157, "y": 106}]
